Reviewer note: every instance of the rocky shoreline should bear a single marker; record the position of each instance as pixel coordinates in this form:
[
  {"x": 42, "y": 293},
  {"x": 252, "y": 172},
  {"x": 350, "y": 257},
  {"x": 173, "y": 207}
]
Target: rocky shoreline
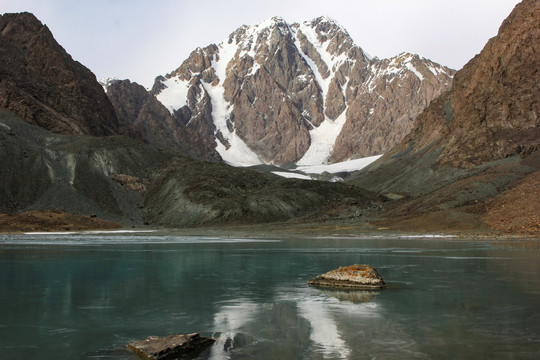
[
  {"x": 36, "y": 221},
  {"x": 52, "y": 221}
]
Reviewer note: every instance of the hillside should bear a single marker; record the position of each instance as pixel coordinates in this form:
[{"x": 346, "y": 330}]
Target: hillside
[
  {"x": 474, "y": 146},
  {"x": 128, "y": 182}
]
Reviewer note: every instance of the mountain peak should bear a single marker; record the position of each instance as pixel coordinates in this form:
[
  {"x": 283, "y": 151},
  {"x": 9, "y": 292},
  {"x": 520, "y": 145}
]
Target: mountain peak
[
  {"x": 325, "y": 20},
  {"x": 282, "y": 93},
  {"x": 108, "y": 81},
  {"x": 278, "y": 19},
  {"x": 325, "y": 25},
  {"x": 268, "y": 23}
]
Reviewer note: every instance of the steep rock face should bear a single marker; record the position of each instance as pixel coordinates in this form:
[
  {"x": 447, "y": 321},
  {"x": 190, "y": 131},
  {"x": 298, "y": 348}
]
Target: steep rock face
[
  {"x": 142, "y": 116},
  {"x": 493, "y": 108},
  {"x": 42, "y": 83},
  {"x": 383, "y": 111},
  {"x": 474, "y": 142},
  {"x": 496, "y": 99},
  {"x": 282, "y": 93}
]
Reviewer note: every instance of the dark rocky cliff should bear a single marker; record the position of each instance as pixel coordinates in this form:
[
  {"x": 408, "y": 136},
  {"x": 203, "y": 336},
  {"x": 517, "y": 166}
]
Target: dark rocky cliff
[
  {"x": 40, "y": 82},
  {"x": 142, "y": 116}
]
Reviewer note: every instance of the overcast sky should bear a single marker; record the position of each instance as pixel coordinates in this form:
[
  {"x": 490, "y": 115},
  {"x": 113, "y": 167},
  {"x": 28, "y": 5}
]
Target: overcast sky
[{"x": 141, "y": 39}]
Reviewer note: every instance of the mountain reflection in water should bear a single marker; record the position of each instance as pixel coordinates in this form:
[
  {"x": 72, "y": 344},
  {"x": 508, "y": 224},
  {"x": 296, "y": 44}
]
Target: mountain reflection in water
[{"x": 310, "y": 316}]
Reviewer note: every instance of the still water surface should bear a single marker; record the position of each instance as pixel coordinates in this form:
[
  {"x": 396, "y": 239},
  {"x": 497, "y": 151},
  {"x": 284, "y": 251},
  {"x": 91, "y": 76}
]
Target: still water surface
[{"x": 86, "y": 296}]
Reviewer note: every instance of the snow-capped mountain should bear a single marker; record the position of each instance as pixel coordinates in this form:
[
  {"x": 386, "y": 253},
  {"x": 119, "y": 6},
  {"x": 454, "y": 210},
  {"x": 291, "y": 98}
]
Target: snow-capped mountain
[{"x": 298, "y": 93}]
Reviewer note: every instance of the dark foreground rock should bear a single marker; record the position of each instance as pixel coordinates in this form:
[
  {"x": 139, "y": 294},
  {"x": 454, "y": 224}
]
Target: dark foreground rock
[
  {"x": 351, "y": 277},
  {"x": 170, "y": 347}
]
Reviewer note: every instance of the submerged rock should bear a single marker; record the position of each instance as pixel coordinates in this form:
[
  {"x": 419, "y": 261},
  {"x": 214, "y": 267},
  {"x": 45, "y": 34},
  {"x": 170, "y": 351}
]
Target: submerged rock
[
  {"x": 351, "y": 277},
  {"x": 170, "y": 347}
]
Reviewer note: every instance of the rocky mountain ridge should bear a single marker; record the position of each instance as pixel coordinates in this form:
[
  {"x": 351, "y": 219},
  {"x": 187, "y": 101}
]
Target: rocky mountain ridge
[
  {"x": 298, "y": 93},
  {"x": 143, "y": 117},
  {"x": 41, "y": 82},
  {"x": 474, "y": 150}
]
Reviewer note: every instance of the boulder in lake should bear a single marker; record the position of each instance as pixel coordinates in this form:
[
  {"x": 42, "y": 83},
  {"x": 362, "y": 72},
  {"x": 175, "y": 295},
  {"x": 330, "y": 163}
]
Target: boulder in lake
[
  {"x": 350, "y": 277},
  {"x": 170, "y": 347}
]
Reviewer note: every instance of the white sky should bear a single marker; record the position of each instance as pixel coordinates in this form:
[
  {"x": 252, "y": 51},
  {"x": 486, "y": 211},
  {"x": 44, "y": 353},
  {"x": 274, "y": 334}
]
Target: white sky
[{"x": 141, "y": 39}]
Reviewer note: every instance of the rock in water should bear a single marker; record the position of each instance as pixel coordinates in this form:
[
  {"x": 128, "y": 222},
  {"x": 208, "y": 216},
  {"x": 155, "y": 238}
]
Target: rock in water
[
  {"x": 170, "y": 347},
  {"x": 352, "y": 277}
]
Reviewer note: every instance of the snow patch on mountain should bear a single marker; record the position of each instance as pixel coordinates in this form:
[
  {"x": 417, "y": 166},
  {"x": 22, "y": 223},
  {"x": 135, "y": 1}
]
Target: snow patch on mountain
[
  {"x": 311, "y": 172},
  {"x": 331, "y": 61},
  {"x": 226, "y": 54},
  {"x": 238, "y": 154},
  {"x": 345, "y": 166},
  {"x": 323, "y": 139},
  {"x": 292, "y": 175},
  {"x": 324, "y": 84},
  {"x": 411, "y": 67},
  {"x": 106, "y": 82},
  {"x": 174, "y": 95},
  {"x": 235, "y": 151}
]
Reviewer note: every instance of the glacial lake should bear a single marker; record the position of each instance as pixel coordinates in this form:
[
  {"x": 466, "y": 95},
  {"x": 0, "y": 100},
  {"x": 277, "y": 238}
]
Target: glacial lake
[{"x": 68, "y": 296}]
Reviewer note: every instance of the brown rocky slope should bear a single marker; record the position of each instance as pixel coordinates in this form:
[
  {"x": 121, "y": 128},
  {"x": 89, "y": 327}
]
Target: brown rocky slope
[
  {"x": 474, "y": 142},
  {"x": 40, "y": 81}
]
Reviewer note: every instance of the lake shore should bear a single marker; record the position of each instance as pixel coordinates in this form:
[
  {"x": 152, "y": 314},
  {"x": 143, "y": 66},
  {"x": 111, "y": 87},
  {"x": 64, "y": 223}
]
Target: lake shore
[{"x": 455, "y": 224}]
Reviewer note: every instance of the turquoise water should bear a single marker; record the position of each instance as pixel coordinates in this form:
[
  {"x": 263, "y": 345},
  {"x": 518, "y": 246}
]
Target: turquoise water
[{"x": 86, "y": 296}]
